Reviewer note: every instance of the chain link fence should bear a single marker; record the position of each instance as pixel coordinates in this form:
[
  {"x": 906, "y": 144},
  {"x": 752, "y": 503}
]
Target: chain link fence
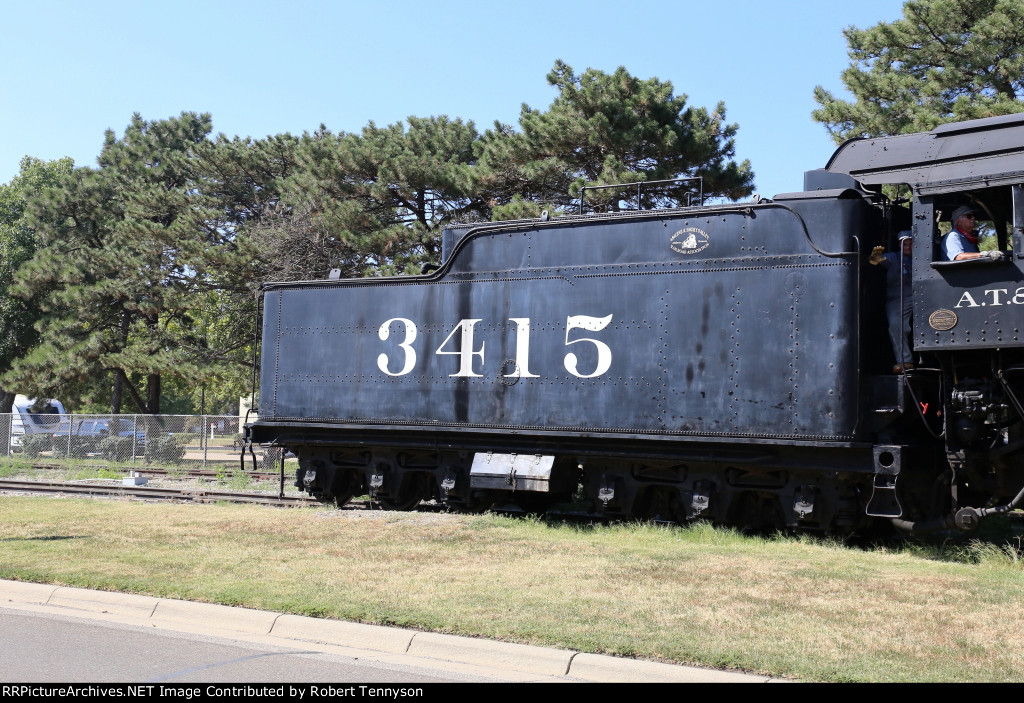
[{"x": 186, "y": 442}]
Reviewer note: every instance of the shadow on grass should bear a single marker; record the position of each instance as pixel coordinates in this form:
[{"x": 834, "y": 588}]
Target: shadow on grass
[
  {"x": 999, "y": 540},
  {"x": 47, "y": 538}
]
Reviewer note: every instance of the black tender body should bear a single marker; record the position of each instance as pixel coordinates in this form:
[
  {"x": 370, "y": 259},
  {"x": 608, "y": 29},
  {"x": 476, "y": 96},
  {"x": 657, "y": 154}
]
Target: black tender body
[{"x": 727, "y": 362}]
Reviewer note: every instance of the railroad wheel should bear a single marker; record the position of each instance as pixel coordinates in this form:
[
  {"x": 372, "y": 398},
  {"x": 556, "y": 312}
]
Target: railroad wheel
[
  {"x": 399, "y": 503},
  {"x": 757, "y": 512},
  {"x": 660, "y": 504},
  {"x": 408, "y": 496},
  {"x": 346, "y": 483}
]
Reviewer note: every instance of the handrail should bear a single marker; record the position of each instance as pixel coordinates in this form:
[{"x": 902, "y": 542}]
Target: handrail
[{"x": 639, "y": 189}]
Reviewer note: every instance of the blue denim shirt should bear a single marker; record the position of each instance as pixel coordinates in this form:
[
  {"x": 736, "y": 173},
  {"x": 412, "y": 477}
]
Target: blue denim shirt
[{"x": 956, "y": 243}]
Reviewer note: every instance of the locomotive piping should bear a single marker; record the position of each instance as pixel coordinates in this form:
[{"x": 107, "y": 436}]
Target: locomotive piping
[
  {"x": 965, "y": 519},
  {"x": 1010, "y": 394},
  {"x": 917, "y": 406},
  {"x": 924, "y": 526},
  {"x": 857, "y": 327},
  {"x": 903, "y": 319},
  {"x": 999, "y": 510}
]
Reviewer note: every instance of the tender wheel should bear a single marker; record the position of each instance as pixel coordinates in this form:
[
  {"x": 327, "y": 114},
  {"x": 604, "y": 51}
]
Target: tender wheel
[
  {"x": 346, "y": 484},
  {"x": 660, "y": 505},
  {"x": 408, "y": 496},
  {"x": 392, "y": 504}
]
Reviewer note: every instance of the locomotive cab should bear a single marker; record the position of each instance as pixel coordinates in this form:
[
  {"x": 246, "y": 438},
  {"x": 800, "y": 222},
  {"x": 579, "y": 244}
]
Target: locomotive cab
[{"x": 968, "y": 382}]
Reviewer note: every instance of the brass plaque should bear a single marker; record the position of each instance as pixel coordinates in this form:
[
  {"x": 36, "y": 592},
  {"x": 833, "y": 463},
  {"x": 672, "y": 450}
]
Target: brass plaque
[{"x": 942, "y": 320}]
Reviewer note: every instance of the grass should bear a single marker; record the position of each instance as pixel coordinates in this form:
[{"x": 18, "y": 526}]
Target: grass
[{"x": 799, "y": 607}]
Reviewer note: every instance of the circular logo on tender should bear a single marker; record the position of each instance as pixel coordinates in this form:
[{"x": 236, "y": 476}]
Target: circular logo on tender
[
  {"x": 689, "y": 240},
  {"x": 942, "y": 320}
]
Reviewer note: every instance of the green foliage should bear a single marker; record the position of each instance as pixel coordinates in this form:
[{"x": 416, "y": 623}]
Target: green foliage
[
  {"x": 35, "y": 444},
  {"x": 10, "y": 467},
  {"x": 164, "y": 449},
  {"x": 116, "y": 448},
  {"x": 76, "y": 446},
  {"x": 943, "y": 61},
  {"x": 520, "y": 209},
  {"x": 83, "y": 472},
  {"x": 223, "y": 474},
  {"x": 375, "y": 202},
  {"x": 17, "y": 245},
  {"x": 613, "y": 128},
  {"x": 1009, "y": 554},
  {"x": 107, "y": 272},
  {"x": 239, "y": 481},
  {"x": 138, "y": 268}
]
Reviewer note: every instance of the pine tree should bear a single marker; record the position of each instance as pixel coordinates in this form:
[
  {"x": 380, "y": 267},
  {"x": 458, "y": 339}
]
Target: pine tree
[
  {"x": 17, "y": 245},
  {"x": 604, "y": 129},
  {"x": 943, "y": 61},
  {"x": 144, "y": 270},
  {"x": 242, "y": 182},
  {"x": 377, "y": 201},
  {"x": 111, "y": 272}
]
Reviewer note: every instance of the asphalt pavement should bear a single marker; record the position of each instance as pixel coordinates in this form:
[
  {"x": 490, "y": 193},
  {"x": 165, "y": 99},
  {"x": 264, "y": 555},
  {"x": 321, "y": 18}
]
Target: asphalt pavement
[{"x": 471, "y": 658}]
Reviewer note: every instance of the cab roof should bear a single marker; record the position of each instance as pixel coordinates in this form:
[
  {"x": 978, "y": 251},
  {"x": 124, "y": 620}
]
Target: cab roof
[{"x": 952, "y": 157}]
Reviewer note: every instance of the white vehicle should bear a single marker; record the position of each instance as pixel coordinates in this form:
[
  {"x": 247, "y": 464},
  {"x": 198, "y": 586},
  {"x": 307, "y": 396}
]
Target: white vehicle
[{"x": 30, "y": 416}]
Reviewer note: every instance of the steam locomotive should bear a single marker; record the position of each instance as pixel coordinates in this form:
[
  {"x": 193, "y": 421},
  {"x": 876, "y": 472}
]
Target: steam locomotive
[{"x": 727, "y": 362}]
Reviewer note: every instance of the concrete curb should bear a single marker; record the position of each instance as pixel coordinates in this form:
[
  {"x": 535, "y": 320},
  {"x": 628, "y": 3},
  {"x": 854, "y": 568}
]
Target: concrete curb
[
  {"x": 597, "y": 667},
  {"x": 392, "y": 640},
  {"x": 188, "y": 616},
  {"x": 502, "y": 655},
  {"x": 220, "y": 617},
  {"x": 21, "y": 592},
  {"x": 124, "y": 604}
]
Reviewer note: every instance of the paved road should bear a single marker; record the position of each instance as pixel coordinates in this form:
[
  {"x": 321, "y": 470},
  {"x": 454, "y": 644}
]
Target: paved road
[
  {"x": 58, "y": 634},
  {"x": 44, "y": 647}
]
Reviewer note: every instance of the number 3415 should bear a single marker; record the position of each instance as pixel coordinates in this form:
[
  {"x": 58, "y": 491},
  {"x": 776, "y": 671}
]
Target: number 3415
[{"x": 463, "y": 336}]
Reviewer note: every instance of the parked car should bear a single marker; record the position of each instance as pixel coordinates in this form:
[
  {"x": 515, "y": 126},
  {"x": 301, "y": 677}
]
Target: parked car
[{"x": 114, "y": 438}]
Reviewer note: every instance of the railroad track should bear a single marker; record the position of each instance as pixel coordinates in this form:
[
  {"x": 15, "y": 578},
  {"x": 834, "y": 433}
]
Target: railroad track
[
  {"x": 195, "y": 494},
  {"x": 179, "y": 494},
  {"x": 198, "y": 495},
  {"x": 204, "y": 474}
]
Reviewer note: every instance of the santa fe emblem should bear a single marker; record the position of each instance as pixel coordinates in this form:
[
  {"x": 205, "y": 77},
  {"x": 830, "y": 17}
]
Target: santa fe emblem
[{"x": 689, "y": 240}]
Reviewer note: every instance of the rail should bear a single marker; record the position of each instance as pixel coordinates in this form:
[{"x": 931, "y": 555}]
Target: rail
[{"x": 193, "y": 494}]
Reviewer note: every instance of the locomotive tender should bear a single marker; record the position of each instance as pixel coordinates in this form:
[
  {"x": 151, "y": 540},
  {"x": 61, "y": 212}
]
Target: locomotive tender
[{"x": 726, "y": 362}]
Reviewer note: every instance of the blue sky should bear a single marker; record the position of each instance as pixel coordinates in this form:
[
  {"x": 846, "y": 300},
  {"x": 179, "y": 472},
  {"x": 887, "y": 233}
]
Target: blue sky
[{"x": 75, "y": 69}]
